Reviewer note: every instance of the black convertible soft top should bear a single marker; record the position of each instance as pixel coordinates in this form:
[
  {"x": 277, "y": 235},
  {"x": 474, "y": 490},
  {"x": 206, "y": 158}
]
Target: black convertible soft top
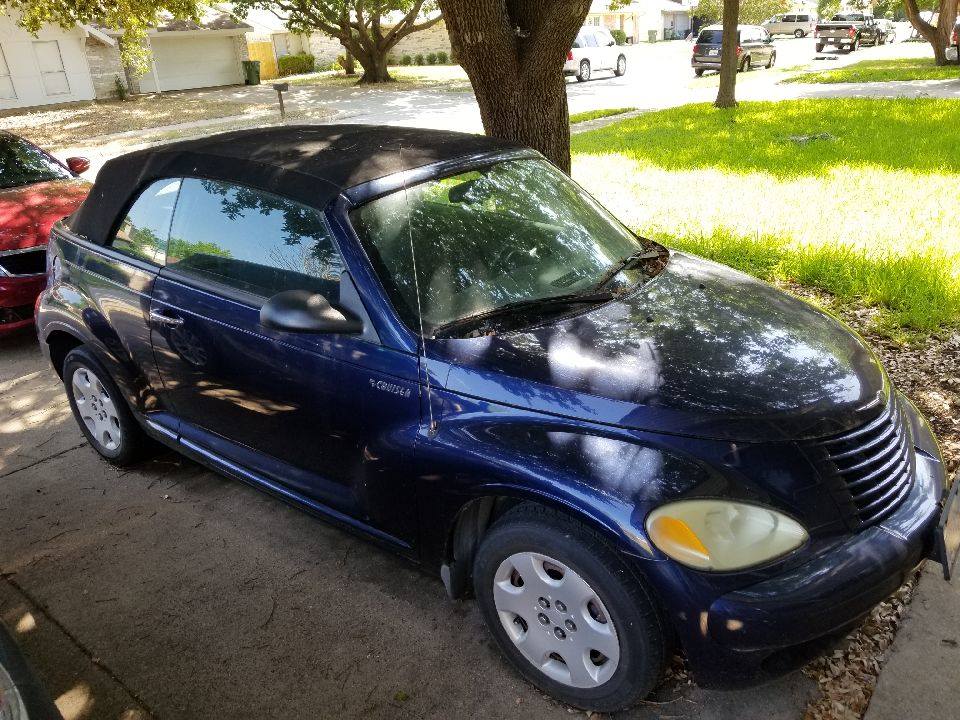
[{"x": 309, "y": 163}]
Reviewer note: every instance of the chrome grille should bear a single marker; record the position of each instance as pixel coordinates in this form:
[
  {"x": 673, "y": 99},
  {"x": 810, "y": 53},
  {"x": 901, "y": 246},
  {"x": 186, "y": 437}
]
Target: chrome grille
[{"x": 872, "y": 467}]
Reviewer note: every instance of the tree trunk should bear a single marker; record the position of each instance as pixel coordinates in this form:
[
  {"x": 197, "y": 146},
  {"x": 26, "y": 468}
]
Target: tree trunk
[
  {"x": 513, "y": 52},
  {"x": 729, "y": 60},
  {"x": 374, "y": 63},
  {"x": 937, "y": 35},
  {"x": 348, "y": 64}
]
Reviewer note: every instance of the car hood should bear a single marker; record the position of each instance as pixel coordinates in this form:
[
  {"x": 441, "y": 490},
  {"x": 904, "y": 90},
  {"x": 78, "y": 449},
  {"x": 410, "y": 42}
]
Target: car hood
[
  {"x": 28, "y": 212},
  {"x": 700, "y": 350}
]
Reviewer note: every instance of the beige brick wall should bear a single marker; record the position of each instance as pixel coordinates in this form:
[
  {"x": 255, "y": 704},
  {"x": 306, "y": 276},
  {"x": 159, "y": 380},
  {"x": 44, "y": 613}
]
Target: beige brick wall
[
  {"x": 324, "y": 49},
  {"x": 105, "y": 67},
  {"x": 432, "y": 40}
]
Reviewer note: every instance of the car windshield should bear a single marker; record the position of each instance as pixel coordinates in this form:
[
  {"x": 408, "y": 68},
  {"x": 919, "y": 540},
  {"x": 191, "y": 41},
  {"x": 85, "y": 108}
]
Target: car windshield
[
  {"x": 518, "y": 231},
  {"x": 710, "y": 37},
  {"x": 22, "y": 163}
]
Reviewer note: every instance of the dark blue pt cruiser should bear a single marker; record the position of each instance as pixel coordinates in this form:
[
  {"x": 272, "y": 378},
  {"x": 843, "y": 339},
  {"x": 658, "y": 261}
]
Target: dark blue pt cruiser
[{"x": 440, "y": 341}]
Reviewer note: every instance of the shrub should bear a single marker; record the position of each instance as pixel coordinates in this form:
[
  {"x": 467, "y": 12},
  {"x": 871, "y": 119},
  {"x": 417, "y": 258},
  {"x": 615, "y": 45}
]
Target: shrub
[
  {"x": 620, "y": 36},
  {"x": 418, "y": 60},
  {"x": 431, "y": 58},
  {"x": 295, "y": 64},
  {"x": 121, "y": 88},
  {"x": 391, "y": 59},
  {"x": 406, "y": 60},
  {"x": 442, "y": 58}
]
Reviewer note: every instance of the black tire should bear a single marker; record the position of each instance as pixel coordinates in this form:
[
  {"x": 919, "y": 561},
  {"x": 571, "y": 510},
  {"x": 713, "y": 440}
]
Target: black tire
[
  {"x": 584, "y": 74},
  {"x": 645, "y": 642},
  {"x": 820, "y": 47},
  {"x": 621, "y": 67},
  {"x": 855, "y": 46},
  {"x": 798, "y": 33},
  {"x": 772, "y": 61},
  {"x": 745, "y": 64},
  {"x": 698, "y": 72},
  {"x": 131, "y": 443}
]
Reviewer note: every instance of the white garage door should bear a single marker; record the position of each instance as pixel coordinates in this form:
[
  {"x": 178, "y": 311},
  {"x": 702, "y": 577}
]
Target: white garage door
[{"x": 193, "y": 62}]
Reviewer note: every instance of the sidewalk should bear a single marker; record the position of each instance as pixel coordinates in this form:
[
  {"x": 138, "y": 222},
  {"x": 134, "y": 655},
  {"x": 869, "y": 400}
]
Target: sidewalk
[{"x": 922, "y": 671}]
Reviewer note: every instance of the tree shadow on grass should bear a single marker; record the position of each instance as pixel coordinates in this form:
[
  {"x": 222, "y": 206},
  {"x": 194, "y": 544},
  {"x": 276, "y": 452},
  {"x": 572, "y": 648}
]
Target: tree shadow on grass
[{"x": 790, "y": 138}]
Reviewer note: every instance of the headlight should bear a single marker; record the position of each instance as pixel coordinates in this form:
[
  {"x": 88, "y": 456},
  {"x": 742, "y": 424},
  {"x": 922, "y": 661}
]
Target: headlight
[
  {"x": 721, "y": 534},
  {"x": 11, "y": 704}
]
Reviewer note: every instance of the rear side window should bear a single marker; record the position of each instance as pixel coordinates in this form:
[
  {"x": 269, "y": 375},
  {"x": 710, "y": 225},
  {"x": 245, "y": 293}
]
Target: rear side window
[
  {"x": 252, "y": 241},
  {"x": 144, "y": 230},
  {"x": 803, "y": 18},
  {"x": 591, "y": 40}
]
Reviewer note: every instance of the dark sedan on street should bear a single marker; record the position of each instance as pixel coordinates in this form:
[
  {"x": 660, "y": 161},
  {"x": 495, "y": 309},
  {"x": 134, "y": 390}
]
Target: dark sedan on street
[
  {"x": 36, "y": 190},
  {"x": 441, "y": 342},
  {"x": 755, "y": 49}
]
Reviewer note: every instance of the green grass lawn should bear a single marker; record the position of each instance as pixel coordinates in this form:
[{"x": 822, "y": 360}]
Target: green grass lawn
[
  {"x": 859, "y": 197},
  {"x": 595, "y": 114},
  {"x": 882, "y": 71}
]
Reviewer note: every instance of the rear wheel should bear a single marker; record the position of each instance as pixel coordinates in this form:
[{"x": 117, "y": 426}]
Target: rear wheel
[
  {"x": 745, "y": 64},
  {"x": 856, "y": 45},
  {"x": 698, "y": 72},
  {"x": 567, "y": 612},
  {"x": 584, "y": 73},
  {"x": 621, "y": 66},
  {"x": 100, "y": 409},
  {"x": 771, "y": 61},
  {"x": 820, "y": 47}
]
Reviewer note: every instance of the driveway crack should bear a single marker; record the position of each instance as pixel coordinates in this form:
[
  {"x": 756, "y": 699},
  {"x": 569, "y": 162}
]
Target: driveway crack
[
  {"x": 42, "y": 460},
  {"x": 97, "y": 662}
]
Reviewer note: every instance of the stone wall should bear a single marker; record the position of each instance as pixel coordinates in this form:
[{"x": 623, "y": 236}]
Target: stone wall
[
  {"x": 324, "y": 49},
  {"x": 105, "y": 68},
  {"x": 432, "y": 40}
]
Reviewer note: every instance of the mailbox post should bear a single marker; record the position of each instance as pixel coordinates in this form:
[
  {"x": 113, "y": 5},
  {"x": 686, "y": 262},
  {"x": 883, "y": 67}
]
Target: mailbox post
[{"x": 281, "y": 88}]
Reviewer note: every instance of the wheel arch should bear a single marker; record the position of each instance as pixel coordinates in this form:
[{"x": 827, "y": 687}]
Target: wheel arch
[
  {"x": 475, "y": 515},
  {"x": 59, "y": 344}
]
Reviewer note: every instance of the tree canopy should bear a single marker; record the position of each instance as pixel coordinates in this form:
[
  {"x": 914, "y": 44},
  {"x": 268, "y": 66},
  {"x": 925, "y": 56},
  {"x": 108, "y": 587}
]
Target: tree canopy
[
  {"x": 367, "y": 29},
  {"x": 752, "y": 12}
]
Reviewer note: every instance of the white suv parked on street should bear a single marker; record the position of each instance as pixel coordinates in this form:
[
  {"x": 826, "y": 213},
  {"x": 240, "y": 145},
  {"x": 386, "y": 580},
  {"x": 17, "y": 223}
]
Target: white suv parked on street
[{"x": 594, "y": 49}]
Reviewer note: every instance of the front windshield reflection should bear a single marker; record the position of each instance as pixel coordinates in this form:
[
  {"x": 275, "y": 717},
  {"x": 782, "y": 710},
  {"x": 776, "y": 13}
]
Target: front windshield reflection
[{"x": 516, "y": 231}]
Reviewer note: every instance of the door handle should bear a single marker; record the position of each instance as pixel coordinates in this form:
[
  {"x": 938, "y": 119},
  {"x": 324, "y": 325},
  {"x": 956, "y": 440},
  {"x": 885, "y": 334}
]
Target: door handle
[{"x": 158, "y": 317}]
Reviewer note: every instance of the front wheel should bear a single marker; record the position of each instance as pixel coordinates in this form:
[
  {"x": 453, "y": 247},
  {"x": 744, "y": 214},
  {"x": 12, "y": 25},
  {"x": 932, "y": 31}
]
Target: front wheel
[
  {"x": 798, "y": 33},
  {"x": 584, "y": 73},
  {"x": 771, "y": 61},
  {"x": 621, "y": 66},
  {"x": 567, "y": 612}
]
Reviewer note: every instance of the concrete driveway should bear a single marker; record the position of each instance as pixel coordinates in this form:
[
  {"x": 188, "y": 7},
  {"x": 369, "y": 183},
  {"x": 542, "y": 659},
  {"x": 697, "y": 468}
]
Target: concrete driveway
[{"x": 167, "y": 591}]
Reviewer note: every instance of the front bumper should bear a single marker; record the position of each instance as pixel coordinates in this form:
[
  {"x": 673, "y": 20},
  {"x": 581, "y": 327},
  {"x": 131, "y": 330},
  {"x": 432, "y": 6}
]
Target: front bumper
[{"x": 754, "y": 634}]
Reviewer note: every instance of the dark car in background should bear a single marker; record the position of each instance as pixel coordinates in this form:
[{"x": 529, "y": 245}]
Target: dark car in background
[
  {"x": 441, "y": 342},
  {"x": 755, "y": 48},
  {"x": 36, "y": 190},
  {"x": 848, "y": 31}
]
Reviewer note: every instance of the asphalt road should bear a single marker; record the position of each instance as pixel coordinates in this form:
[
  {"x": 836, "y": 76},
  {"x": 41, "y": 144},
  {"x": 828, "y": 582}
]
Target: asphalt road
[{"x": 167, "y": 591}]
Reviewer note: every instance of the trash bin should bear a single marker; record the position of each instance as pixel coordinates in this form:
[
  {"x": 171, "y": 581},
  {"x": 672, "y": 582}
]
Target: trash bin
[
  {"x": 652, "y": 36},
  {"x": 251, "y": 72}
]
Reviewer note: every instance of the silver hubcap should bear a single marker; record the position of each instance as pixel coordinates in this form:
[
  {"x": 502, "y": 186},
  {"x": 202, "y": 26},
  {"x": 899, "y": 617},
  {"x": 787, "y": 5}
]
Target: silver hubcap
[
  {"x": 621, "y": 65},
  {"x": 556, "y": 620},
  {"x": 585, "y": 71},
  {"x": 96, "y": 408}
]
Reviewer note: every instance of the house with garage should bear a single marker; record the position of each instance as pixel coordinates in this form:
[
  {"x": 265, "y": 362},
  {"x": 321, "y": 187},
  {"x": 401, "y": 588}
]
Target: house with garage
[{"x": 62, "y": 65}]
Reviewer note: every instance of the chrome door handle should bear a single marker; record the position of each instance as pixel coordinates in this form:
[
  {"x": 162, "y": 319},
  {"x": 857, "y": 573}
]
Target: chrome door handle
[{"x": 158, "y": 317}]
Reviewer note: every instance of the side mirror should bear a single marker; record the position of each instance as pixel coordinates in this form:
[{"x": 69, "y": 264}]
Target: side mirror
[
  {"x": 78, "y": 164},
  {"x": 307, "y": 312}
]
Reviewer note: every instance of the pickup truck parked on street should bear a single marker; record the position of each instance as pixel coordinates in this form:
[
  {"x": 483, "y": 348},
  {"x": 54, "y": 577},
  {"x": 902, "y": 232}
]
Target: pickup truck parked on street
[{"x": 848, "y": 31}]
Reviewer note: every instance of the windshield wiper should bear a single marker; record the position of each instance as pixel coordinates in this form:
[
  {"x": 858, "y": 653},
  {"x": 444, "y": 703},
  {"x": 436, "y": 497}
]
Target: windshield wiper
[
  {"x": 523, "y": 308},
  {"x": 625, "y": 263}
]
